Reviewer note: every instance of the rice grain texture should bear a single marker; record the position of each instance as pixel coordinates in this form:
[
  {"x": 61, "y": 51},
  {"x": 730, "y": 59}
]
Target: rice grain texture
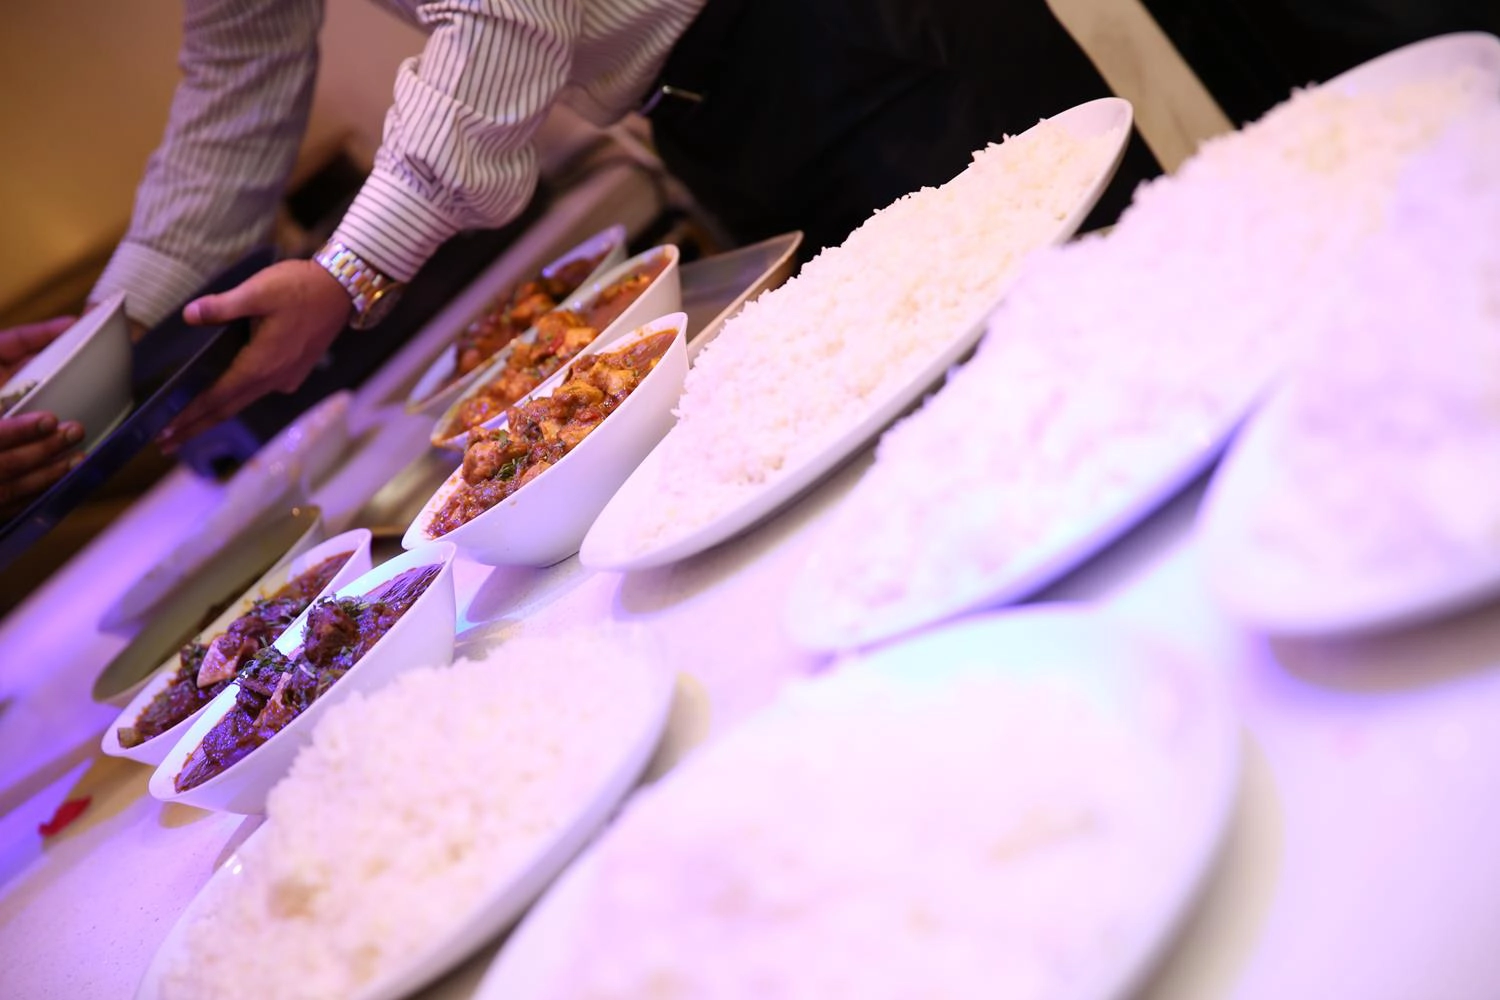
[
  {"x": 407, "y": 809},
  {"x": 1118, "y": 362},
  {"x": 806, "y": 361},
  {"x": 992, "y": 835}
]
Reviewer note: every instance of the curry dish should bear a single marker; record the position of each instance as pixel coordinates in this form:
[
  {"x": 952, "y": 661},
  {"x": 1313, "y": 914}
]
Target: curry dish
[
  {"x": 274, "y": 689},
  {"x": 205, "y": 669},
  {"x": 538, "y": 433},
  {"x": 509, "y": 318},
  {"x": 560, "y": 336}
]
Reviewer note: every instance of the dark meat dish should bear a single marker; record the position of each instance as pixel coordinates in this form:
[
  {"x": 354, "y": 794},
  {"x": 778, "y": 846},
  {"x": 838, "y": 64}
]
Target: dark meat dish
[
  {"x": 205, "y": 669},
  {"x": 518, "y": 312},
  {"x": 274, "y": 689},
  {"x": 540, "y": 432},
  {"x": 560, "y": 336}
]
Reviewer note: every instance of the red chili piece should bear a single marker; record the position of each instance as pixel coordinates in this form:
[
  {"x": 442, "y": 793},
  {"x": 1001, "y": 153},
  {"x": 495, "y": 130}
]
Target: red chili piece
[{"x": 64, "y": 817}]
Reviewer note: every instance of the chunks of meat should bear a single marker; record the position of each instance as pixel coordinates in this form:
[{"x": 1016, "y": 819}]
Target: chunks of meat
[
  {"x": 541, "y": 431},
  {"x": 224, "y": 656},
  {"x": 487, "y": 456},
  {"x": 577, "y": 393},
  {"x": 331, "y": 625}
]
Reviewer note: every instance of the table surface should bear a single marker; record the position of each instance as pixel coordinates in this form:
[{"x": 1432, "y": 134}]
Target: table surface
[{"x": 1359, "y": 862}]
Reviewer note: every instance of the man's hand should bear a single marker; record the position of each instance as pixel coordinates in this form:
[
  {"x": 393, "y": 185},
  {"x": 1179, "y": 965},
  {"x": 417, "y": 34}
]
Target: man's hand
[
  {"x": 33, "y": 455},
  {"x": 20, "y": 344},
  {"x": 297, "y": 309}
]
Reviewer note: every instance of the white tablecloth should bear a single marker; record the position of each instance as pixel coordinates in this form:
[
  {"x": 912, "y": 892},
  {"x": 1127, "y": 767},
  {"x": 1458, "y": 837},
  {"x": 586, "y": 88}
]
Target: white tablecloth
[{"x": 1359, "y": 863}]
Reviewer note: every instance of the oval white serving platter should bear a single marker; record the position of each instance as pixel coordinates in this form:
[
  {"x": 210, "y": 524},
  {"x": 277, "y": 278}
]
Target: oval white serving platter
[
  {"x": 1177, "y": 706},
  {"x": 611, "y": 543},
  {"x": 503, "y": 901}
]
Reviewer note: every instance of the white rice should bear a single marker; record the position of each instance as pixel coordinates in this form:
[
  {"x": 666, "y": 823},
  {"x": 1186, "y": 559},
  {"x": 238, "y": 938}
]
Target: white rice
[
  {"x": 1118, "y": 362},
  {"x": 806, "y": 361},
  {"x": 1387, "y": 460},
  {"x": 997, "y": 834},
  {"x": 408, "y": 808}
]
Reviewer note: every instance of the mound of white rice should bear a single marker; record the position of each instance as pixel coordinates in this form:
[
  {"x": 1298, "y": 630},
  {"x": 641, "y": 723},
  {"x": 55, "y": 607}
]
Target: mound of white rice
[
  {"x": 1117, "y": 362},
  {"x": 1387, "y": 460},
  {"x": 409, "y": 807},
  {"x": 995, "y": 834},
  {"x": 806, "y": 361}
]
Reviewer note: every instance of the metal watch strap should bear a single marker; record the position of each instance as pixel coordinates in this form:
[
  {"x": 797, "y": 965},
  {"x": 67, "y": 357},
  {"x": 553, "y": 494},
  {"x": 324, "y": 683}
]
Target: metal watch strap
[{"x": 364, "y": 283}]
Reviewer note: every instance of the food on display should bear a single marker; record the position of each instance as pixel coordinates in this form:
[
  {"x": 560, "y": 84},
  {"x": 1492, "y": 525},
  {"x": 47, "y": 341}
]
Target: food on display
[
  {"x": 537, "y": 434},
  {"x": 560, "y": 336},
  {"x": 1121, "y": 361},
  {"x": 206, "y": 668},
  {"x": 407, "y": 809},
  {"x": 512, "y": 316},
  {"x": 1381, "y": 460},
  {"x": 806, "y": 361},
  {"x": 274, "y": 689},
  {"x": 987, "y": 832}
]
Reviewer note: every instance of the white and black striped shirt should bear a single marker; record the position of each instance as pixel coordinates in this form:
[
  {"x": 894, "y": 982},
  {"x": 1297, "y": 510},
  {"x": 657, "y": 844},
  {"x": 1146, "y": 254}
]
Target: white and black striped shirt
[{"x": 456, "y": 151}]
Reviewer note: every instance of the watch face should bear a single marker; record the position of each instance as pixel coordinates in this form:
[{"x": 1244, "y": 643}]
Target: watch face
[{"x": 381, "y": 303}]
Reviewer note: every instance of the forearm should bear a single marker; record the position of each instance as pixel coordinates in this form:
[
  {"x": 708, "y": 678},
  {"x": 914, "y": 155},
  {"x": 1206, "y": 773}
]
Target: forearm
[
  {"x": 457, "y": 147},
  {"x": 212, "y": 187}
]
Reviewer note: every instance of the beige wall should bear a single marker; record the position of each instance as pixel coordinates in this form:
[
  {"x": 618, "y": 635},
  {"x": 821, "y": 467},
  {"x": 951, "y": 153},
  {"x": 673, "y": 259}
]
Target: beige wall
[{"x": 86, "y": 89}]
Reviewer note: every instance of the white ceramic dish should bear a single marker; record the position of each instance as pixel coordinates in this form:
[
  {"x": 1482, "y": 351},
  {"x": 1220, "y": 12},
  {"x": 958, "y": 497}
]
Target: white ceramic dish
[
  {"x": 433, "y": 394},
  {"x": 83, "y": 375},
  {"x": 280, "y": 474},
  {"x": 154, "y": 750},
  {"x": 611, "y": 543},
  {"x": 1034, "y": 566},
  {"x": 662, "y": 296},
  {"x": 1265, "y": 579},
  {"x": 422, "y": 637},
  {"x": 544, "y": 521},
  {"x": 504, "y": 901},
  {"x": 1037, "y": 564},
  {"x": 715, "y": 288},
  {"x": 1177, "y": 708}
]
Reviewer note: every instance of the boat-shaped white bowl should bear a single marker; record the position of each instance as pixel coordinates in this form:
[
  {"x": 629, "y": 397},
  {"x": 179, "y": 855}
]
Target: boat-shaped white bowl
[
  {"x": 662, "y": 296},
  {"x": 545, "y": 521},
  {"x": 424, "y": 635},
  {"x": 83, "y": 375},
  {"x": 154, "y": 750},
  {"x": 434, "y": 392}
]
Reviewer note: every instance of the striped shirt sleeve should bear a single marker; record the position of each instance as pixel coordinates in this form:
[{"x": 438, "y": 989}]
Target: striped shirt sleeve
[
  {"x": 457, "y": 147},
  {"x": 210, "y": 190}
]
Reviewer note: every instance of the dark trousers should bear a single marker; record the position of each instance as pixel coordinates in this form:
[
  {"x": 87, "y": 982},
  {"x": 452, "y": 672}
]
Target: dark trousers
[{"x": 817, "y": 113}]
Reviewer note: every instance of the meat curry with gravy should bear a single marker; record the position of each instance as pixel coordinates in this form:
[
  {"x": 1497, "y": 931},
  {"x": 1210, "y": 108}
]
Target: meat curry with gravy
[
  {"x": 539, "y": 432},
  {"x": 560, "y": 336},
  {"x": 274, "y": 689},
  {"x": 206, "y": 668}
]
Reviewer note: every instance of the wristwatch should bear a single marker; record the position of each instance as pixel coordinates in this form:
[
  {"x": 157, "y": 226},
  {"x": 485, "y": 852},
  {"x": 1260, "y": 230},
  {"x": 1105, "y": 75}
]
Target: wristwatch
[{"x": 372, "y": 293}]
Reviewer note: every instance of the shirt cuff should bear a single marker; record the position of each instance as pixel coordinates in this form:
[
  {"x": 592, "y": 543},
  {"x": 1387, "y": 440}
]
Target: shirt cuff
[
  {"x": 393, "y": 228},
  {"x": 154, "y": 284}
]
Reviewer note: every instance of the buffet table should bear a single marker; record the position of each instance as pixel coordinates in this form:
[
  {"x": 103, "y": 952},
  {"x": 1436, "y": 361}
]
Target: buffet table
[{"x": 1355, "y": 865}]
